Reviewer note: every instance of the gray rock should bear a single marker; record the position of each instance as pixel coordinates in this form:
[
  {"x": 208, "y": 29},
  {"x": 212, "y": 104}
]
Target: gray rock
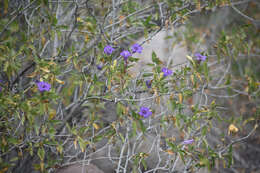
[{"x": 80, "y": 168}]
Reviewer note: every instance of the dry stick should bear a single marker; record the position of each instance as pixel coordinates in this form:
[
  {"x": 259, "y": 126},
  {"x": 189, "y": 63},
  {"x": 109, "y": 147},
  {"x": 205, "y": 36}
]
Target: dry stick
[
  {"x": 242, "y": 14},
  {"x": 128, "y": 151},
  {"x": 72, "y": 30},
  {"x": 18, "y": 14},
  {"x": 113, "y": 19},
  {"x": 121, "y": 154},
  {"x": 56, "y": 41},
  {"x": 224, "y": 75},
  {"x": 132, "y": 14}
]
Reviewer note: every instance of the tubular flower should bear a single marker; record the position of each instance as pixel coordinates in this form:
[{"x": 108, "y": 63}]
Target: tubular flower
[
  {"x": 108, "y": 50},
  {"x": 200, "y": 57},
  {"x": 145, "y": 112},
  {"x": 148, "y": 83},
  {"x": 43, "y": 86},
  {"x": 166, "y": 71},
  {"x": 136, "y": 48},
  {"x": 125, "y": 54},
  {"x": 186, "y": 142},
  {"x": 99, "y": 67}
]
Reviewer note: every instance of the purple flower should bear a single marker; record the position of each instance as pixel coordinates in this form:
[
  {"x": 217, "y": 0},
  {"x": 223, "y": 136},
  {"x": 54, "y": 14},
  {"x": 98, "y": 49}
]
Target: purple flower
[
  {"x": 108, "y": 50},
  {"x": 188, "y": 142},
  {"x": 166, "y": 71},
  {"x": 99, "y": 67},
  {"x": 145, "y": 112},
  {"x": 125, "y": 54},
  {"x": 148, "y": 83},
  {"x": 43, "y": 86},
  {"x": 136, "y": 48},
  {"x": 200, "y": 57}
]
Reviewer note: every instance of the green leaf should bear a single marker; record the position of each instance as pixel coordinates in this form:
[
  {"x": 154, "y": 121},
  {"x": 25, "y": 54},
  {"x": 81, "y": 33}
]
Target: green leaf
[
  {"x": 45, "y": 2},
  {"x": 14, "y": 27},
  {"x": 142, "y": 126},
  {"x": 122, "y": 137},
  {"x": 144, "y": 164},
  {"x": 206, "y": 70},
  {"x": 83, "y": 130},
  {"x": 204, "y": 130},
  {"x": 119, "y": 108},
  {"x": 135, "y": 115},
  {"x": 82, "y": 144},
  {"x": 134, "y": 128},
  {"x": 41, "y": 153},
  {"x": 181, "y": 152},
  {"x": 98, "y": 138},
  {"x": 13, "y": 141},
  {"x": 59, "y": 148},
  {"x": 147, "y": 20},
  {"x": 131, "y": 59},
  {"x": 37, "y": 129},
  {"x": 147, "y": 74},
  {"x": 95, "y": 78},
  {"x": 172, "y": 145},
  {"x": 155, "y": 59},
  {"x": 30, "y": 149},
  {"x": 229, "y": 156},
  {"x": 13, "y": 159},
  {"x": 54, "y": 20},
  {"x": 205, "y": 162}
]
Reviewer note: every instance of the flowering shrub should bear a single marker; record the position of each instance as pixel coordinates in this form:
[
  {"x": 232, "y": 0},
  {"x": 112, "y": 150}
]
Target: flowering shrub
[{"x": 92, "y": 109}]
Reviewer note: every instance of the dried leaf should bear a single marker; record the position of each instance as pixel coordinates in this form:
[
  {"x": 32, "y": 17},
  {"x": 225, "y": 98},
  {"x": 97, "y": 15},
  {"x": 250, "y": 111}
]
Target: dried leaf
[
  {"x": 32, "y": 75},
  {"x": 180, "y": 97},
  {"x": 43, "y": 40},
  {"x": 232, "y": 129},
  {"x": 4, "y": 141},
  {"x": 5, "y": 169},
  {"x": 45, "y": 70},
  {"x": 42, "y": 166},
  {"x": 96, "y": 126},
  {"x": 75, "y": 144},
  {"x": 198, "y": 75},
  {"x": 79, "y": 19},
  {"x": 60, "y": 81},
  {"x": 86, "y": 38},
  {"x": 192, "y": 79},
  {"x": 198, "y": 6},
  {"x": 52, "y": 114},
  {"x": 121, "y": 18},
  {"x": 190, "y": 58}
]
